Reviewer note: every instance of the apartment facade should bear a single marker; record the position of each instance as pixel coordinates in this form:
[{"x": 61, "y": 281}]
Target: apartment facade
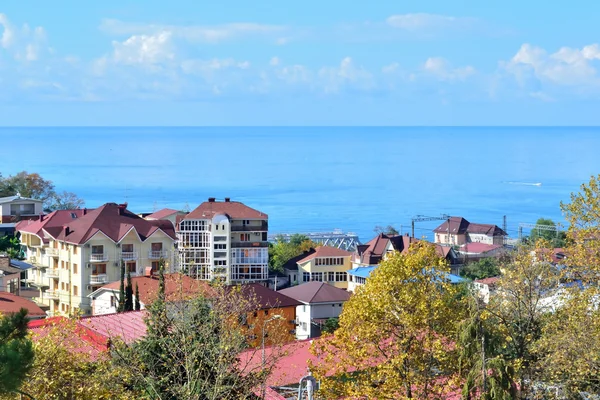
[
  {"x": 326, "y": 264},
  {"x": 84, "y": 252},
  {"x": 224, "y": 240},
  {"x": 14, "y": 208},
  {"x": 457, "y": 231}
]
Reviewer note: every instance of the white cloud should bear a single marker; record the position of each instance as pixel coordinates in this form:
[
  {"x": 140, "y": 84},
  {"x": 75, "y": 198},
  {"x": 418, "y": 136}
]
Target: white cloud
[
  {"x": 144, "y": 49},
  {"x": 23, "y": 43},
  {"x": 8, "y": 33},
  {"x": 427, "y": 23},
  {"x": 347, "y": 73},
  {"x": 441, "y": 69},
  {"x": 192, "y": 33},
  {"x": 275, "y": 61},
  {"x": 391, "y": 68}
]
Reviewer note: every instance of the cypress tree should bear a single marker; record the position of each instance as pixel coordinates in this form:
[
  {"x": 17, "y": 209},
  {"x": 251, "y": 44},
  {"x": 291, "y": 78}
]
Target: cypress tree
[
  {"x": 138, "y": 306},
  {"x": 121, "y": 305},
  {"x": 129, "y": 293}
]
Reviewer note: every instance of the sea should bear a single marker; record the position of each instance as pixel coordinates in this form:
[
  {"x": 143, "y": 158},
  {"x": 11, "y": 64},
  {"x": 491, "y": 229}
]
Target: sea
[{"x": 319, "y": 179}]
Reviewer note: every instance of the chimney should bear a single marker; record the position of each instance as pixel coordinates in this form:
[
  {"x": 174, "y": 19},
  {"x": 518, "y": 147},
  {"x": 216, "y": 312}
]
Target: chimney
[
  {"x": 211, "y": 199},
  {"x": 227, "y": 199},
  {"x": 122, "y": 208},
  {"x": 84, "y": 211},
  {"x": 41, "y": 217},
  {"x": 67, "y": 230},
  {"x": 148, "y": 271}
]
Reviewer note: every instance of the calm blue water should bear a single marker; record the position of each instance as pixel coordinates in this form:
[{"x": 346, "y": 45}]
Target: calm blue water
[{"x": 318, "y": 179}]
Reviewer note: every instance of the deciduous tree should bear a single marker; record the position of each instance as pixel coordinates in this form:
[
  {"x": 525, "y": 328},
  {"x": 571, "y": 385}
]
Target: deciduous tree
[
  {"x": 395, "y": 335},
  {"x": 16, "y": 351},
  {"x": 64, "y": 201},
  {"x": 484, "y": 268}
]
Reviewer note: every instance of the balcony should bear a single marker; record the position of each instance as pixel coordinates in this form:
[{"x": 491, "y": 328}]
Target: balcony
[
  {"x": 98, "y": 257},
  {"x": 52, "y": 252},
  {"x": 157, "y": 254},
  {"x": 262, "y": 227},
  {"x": 98, "y": 279},
  {"x": 129, "y": 255},
  {"x": 51, "y": 294},
  {"x": 52, "y": 273},
  {"x": 249, "y": 244}
]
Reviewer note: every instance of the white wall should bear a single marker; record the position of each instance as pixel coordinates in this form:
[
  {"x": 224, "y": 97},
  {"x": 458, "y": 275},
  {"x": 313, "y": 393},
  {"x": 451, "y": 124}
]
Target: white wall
[
  {"x": 101, "y": 303},
  {"x": 303, "y": 322},
  {"x": 328, "y": 310},
  {"x": 305, "y": 313}
]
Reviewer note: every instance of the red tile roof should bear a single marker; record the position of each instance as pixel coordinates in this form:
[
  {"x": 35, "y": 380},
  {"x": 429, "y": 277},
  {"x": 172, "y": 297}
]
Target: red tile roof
[
  {"x": 479, "y": 248},
  {"x": 373, "y": 251},
  {"x": 128, "y": 326},
  {"x": 114, "y": 221},
  {"x": 265, "y": 297},
  {"x": 316, "y": 292},
  {"x": 325, "y": 251},
  {"x": 489, "y": 281},
  {"x": 75, "y": 338},
  {"x": 233, "y": 209},
  {"x": 52, "y": 222},
  {"x": 160, "y": 214},
  {"x": 11, "y": 303},
  {"x": 460, "y": 226},
  {"x": 177, "y": 286}
]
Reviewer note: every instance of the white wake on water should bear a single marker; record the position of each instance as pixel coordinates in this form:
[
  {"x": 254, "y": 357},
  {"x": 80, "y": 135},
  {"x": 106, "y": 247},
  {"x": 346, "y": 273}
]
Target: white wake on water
[{"x": 524, "y": 183}]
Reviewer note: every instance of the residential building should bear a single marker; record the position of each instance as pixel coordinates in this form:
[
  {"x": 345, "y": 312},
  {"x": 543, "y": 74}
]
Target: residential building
[
  {"x": 177, "y": 286},
  {"x": 486, "y": 287},
  {"x": 77, "y": 251},
  {"x": 16, "y": 208},
  {"x": 10, "y": 276},
  {"x": 224, "y": 240},
  {"x": 167, "y": 214},
  {"x": 358, "y": 277},
  {"x": 477, "y": 251},
  {"x": 457, "y": 231},
  {"x": 320, "y": 301},
  {"x": 326, "y": 264},
  {"x": 290, "y": 268},
  {"x": 11, "y": 303}
]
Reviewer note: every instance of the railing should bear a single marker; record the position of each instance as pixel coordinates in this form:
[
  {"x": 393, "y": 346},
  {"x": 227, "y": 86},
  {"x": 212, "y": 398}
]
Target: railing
[
  {"x": 98, "y": 279},
  {"x": 129, "y": 255},
  {"x": 52, "y": 273},
  {"x": 263, "y": 227},
  {"x": 51, "y": 294},
  {"x": 98, "y": 257},
  {"x": 249, "y": 244},
  {"x": 157, "y": 254},
  {"x": 52, "y": 252}
]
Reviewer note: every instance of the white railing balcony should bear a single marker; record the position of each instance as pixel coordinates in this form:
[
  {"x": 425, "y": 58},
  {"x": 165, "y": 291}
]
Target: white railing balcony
[
  {"x": 51, "y": 294},
  {"x": 52, "y": 252},
  {"x": 129, "y": 255},
  {"x": 157, "y": 254},
  {"x": 98, "y": 279},
  {"x": 52, "y": 273},
  {"x": 98, "y": 257}
]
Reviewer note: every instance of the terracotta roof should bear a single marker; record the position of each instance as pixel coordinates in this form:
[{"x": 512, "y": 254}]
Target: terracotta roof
[
  {"x": 75, "y": 338},
  {"x": 489, "y": 281},
  {"x": 326, "y": 251},
  {"x": 460, "y": 226},
  {"x": 292, "y": 263},
  {"x": 177, "y": 287},
  {"x": 316, "y": 292},
  {"x": 160, "y": 214},
  {"x": 114, "y": 221},
  {"x": 127, "y": 326},
  {"x": 266, "y": 297},
  {"x": 51, "y": 223},
  {"x": 478, "y": 248},
  {"x": 11, "y": 303},
  {"x": 372, "y": 252},
  {"x": 233, "y": 209}
]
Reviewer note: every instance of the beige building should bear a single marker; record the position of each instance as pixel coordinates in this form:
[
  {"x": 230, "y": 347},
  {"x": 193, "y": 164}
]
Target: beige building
[
  {"x": 15, "y": 208},
  {"x": 77, "y": 251},
  {"x": 457, "y": 231},
  {"x": 224, "y": 240},
  {"x": 326, "y": 264}
]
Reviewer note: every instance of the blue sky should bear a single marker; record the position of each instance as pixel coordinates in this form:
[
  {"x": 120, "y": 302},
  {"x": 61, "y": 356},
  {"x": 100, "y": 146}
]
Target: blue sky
[{"x": 299, "y": 63}]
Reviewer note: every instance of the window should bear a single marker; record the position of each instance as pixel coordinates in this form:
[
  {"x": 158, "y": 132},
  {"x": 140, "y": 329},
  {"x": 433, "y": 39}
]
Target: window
[
  {"x": 223, "y": 227},
  {"x": 155, "y": 266},
  {"x": 112, "y": 301},
  {"x": 62, "y": 245},
  {"x": 130, "y": 266},
  {"x": 245, "y": 237},
  {"x": 266, "y": 312},
  {"x": 217, "y": 227},
  {"x": 75, "y": 290},
  {"x": 317, "y": 276},
  {"x": 306, "y": 277},
  {"x": 331, "y": 276},
  {"x": 220, "y": 246},
  {"x": 98, "y": 269},
  {"x": 341, "y": 276},
  {"x": 75, "y": 268},
  {"x": 62, "y": 264},
  {"x": 127, "y": 248},
  {"x": 68, "y": 285},
  {"x": 221, "y": 262},
  {"x": 157, "y": 246},
  {"x": 304, "y": 308},
  {"x": 62, "y": 286},
  {"x": 98, "y": 249},
  {"x": 74, "y": 249}
]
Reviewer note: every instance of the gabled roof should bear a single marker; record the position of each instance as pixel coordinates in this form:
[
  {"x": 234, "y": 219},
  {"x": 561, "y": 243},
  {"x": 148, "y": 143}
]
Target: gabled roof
[
  {"x": 11, "y": 303},
  {"x": 161, "y": 214},
  {"x": 373, "y": 251},
  {"x": 478, "y": 248},
  {"x": 114, "y": 221},
  {"x": 292, "y": 263},
  {"x": 52, "y": 223},
  {"x": 177, "y": 287},
  {"x": 325, "y": 251},
  {"x": 10, "y": 199},
  {"x": 265, "y": 297},
  {"x": 460, "y": 226},
  {"x": 316, "y": 292},
  {"x": 233, "y": 209},
  {"x": 127, "y": 326}
]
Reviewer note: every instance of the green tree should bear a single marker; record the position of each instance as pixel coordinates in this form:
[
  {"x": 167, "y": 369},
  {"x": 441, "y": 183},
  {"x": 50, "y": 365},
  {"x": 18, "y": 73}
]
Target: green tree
[
  {"x": 64, "y": 201},
  {"x": 138, "y": 305},
  {"x": 554, "y": 237},
  {"x": 388, "y": 230},
  {"x": 12, "y": 246},
  {"x": 28, "y": 185},
  {"x": 484, "y": 268},
  {"x": 128, "y": 294},
  {"x": 394, "y": 333},
  {"x": 330, "y": 325},
  {"x": 282, "y": 251},
  {"x": 16, "y": 351},
  {"x": 121, "y": 304}
]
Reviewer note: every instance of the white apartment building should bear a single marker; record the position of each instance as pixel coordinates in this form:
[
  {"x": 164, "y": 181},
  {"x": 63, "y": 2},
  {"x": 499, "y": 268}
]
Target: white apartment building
[
  {"x": 75, "y": 252},
  {"x": 224, "y": 240}
]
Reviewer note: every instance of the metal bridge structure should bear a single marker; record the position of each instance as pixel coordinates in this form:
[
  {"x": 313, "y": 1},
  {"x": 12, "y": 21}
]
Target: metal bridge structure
[
  {"x": 346, "y": 241},
  {"x": 424, "y": 218}
]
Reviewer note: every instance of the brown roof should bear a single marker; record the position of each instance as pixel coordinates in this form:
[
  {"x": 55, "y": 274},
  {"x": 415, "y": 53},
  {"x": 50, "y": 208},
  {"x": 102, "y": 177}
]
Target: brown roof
[
  {"x": 160, "y": 214},
  {"x": 326, "y": 251},
  {"x": 11, "y": 303},
  {"x": 52, "y": 223},
  {"x": 316, "y": 292},
  {"x": 177, "y": 286},
  {"x": 114, "y": 221},
  {"x": 233, "y": 209},
  {"x": 292, "y": 263},
  {"x": 266, "y": 297},
  {"x": 460, "y": 226},
  {"x": 371, "y": 253}
]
